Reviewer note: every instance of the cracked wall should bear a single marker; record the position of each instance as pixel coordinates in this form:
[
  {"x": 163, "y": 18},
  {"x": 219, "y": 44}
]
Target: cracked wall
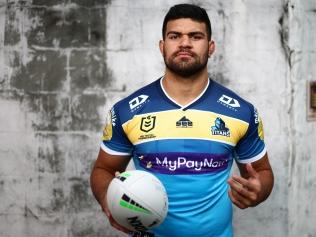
[
  {"x": 65, "y": 62},
  {"x": 302, "y": 178}
]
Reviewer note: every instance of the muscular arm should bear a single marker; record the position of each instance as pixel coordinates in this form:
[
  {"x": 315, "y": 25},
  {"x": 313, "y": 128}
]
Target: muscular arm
[
  {"x": 102, "y": 174},
  {"x": 255, "y": 184}
]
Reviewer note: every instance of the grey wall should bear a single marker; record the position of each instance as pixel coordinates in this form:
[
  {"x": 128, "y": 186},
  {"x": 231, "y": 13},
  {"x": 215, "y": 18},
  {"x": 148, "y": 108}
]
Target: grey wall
[{"x": 65, "y": 62}]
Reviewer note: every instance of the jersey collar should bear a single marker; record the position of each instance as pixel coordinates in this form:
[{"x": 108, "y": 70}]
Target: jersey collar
[{"x": 187, "y": 105}]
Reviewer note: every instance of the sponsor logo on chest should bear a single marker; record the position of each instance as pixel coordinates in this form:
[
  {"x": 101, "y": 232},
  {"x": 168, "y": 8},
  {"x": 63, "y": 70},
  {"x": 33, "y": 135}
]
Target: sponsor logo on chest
[
  {"x": 229, "y": 102},
  {"x": 184, "y": 163}
]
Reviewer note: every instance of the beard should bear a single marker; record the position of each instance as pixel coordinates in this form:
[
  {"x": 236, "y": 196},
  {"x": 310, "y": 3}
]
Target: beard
[{"x": 186, "y": 67}]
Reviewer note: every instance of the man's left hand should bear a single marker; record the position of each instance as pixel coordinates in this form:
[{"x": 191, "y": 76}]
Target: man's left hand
[{"x": 245, "y": 192}]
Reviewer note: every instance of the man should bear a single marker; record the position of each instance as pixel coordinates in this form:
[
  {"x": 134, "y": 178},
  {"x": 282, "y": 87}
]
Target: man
[{"x": 187, "y": 129}]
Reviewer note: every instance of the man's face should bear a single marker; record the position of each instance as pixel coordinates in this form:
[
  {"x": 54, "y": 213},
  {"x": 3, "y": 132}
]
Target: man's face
[{"x": 186, "y": 47}]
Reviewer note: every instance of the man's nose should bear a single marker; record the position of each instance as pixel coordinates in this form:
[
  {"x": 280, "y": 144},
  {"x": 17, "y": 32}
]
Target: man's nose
[{"x": 185, "y": 41}]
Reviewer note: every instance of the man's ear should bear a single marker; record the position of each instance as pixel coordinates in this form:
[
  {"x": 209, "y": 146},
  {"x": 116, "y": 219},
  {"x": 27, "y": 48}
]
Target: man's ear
[
  {"x": 161, "y": 44},
  {"x": 211, "y": 48}
]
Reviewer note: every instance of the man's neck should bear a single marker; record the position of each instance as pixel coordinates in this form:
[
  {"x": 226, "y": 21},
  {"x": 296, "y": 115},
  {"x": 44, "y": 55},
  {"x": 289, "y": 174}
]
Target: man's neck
[{"x": 184, "y": 90}]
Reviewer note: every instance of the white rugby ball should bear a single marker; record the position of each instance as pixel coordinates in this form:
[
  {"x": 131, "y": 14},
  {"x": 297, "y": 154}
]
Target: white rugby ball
[{"x": 137, "y": 200}]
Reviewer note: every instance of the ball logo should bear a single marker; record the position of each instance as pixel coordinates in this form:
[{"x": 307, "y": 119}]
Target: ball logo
[
  {"x": 136, "y": 223},
  {"x": 127, "y": 202}
]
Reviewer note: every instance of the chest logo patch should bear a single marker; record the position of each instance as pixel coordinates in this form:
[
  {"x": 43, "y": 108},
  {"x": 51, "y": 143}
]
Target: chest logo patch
[
  {"x": 220, "y": 128},
  {"x": 184, "y": 123},
  {"x": 148, "y": 123}
]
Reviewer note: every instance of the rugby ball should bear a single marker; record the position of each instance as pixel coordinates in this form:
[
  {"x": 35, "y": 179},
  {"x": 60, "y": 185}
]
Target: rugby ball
[{"x": 137, "y": 200}]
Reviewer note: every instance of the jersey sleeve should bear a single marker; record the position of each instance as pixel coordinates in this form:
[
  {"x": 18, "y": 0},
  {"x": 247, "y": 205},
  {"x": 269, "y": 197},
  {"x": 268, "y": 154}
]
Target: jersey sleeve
[
  {"x": 114, "y": 140},
  {"x": 251, "y": 147}
]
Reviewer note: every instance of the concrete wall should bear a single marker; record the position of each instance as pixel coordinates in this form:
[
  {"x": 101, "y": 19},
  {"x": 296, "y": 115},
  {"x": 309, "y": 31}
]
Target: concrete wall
[{"x": 65, "y": 62}]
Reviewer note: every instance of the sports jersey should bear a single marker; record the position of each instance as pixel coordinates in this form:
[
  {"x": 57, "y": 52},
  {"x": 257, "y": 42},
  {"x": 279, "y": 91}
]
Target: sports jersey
[{"x": 190, "y": 149}]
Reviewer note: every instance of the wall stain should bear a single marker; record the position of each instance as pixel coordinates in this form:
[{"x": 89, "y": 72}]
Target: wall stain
[
  {"x": 79, "y": 198},
  {"x": 12, "y": 34},
  {"x": 29, "y": 213},
  {"x": 284, "y": 34},
  {"x": 59, "y": 201},
  {"x": 2, "y": 183},
  {"x": 51, "y": 158},
  {"x": 84, "y": 113}
]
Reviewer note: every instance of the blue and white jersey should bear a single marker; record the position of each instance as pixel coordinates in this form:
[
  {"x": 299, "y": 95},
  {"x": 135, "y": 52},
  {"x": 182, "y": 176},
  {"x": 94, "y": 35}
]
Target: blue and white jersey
[{"x": 190, "y": 149}]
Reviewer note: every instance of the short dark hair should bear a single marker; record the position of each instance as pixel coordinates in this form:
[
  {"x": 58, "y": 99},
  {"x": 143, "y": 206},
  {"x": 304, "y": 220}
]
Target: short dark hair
[{"x": 191, "y": 11}]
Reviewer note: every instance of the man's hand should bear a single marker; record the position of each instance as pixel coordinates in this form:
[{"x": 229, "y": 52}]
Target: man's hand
[
  {"x": 245, "y": 192},
  {"x": 107, "y": 212},
  {"x": 113, "y": 222}
]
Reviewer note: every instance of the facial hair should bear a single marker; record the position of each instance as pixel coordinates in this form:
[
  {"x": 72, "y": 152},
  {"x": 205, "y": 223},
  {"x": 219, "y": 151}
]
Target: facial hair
[{"x": 186, "y": 68}]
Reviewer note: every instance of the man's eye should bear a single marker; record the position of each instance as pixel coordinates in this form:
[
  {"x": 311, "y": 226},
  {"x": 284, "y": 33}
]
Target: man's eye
[
  {"x": 173, "y": 36},
  {"x": 197, "y": 37}
]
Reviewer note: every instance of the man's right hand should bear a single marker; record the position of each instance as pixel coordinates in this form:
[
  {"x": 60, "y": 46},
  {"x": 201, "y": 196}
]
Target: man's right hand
[{"x": 113, "y": 222}]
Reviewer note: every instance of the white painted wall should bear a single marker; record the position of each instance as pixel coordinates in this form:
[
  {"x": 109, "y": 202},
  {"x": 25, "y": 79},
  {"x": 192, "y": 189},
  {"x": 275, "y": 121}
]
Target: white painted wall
[{"x": 265, "y": 51}]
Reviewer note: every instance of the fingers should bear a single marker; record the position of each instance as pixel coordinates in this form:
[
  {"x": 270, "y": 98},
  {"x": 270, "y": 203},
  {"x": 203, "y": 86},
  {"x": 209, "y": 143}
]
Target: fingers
[
  {"x": 119, "y": 227},
  {"x": 107, "y": 212},
  {"x": 234, "y": 200},
  {"x": 239, "y": 194},
  {"x": 243, "y": 193},
  {"x": 239, "y": 185},
  {"x": 240, "y": 182},
  {"x": 251, "y": 171},
  {"x": 240, "y": 200},
  {"x": 117, "y": 173},
  {"x": 113, "y": 222}
]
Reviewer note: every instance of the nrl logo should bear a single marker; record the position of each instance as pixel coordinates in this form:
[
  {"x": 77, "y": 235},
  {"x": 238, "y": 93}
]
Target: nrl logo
[{"x": 148, "y": 123}]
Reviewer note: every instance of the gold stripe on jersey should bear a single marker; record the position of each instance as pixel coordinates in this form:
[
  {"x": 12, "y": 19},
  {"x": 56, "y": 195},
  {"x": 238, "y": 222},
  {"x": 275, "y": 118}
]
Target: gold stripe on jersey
[{"x": 173, "y": 124}]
